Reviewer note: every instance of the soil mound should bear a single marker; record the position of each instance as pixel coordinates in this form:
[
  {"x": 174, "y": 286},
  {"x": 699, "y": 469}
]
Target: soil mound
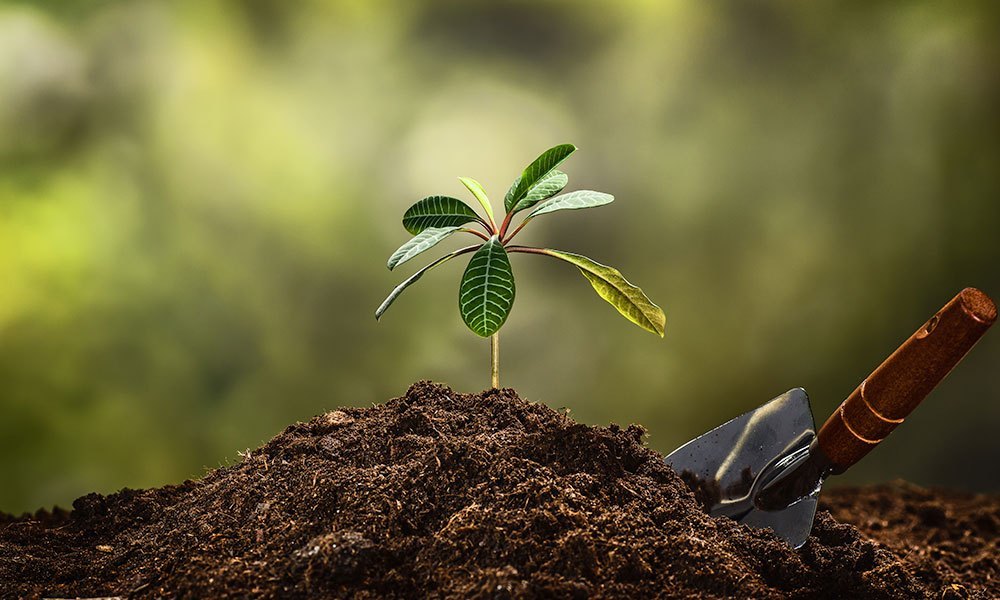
[{"x": 439, "y": 494}]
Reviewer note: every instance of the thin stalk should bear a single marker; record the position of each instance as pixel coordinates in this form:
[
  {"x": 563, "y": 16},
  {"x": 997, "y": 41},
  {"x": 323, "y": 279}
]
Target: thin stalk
[
  {"x": 492, "y": 224},
  {"x": 491, "y": 229},
  {"x": 476, "y": 233},
  {"x": 519, "y": 228},
  {"x": 506, "y": 224},
  {"x": 495, "y": 360},
  {"x": 528, "y": 250}
]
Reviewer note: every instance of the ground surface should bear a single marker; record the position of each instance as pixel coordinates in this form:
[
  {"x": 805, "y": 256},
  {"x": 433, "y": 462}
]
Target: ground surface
[{"x": 446, "y": 495}]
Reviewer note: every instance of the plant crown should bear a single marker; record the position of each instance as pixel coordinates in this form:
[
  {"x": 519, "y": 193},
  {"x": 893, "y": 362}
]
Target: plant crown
[{"x": 486, "y": 292}]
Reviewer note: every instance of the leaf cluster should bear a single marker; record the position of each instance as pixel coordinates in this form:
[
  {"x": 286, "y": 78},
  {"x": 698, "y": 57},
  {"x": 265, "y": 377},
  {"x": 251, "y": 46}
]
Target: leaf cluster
[{"x": 486, "y": 291}]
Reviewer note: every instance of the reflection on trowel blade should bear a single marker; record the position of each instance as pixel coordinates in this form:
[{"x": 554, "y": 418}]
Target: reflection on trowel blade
[{"x": 729, "y": 464}]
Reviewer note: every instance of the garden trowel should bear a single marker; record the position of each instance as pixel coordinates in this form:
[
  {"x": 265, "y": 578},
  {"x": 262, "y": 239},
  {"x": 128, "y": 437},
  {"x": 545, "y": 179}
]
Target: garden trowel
[{"x": 765, "y": 467}]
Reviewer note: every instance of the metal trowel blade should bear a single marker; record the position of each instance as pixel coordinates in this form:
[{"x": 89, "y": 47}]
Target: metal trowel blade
[{"x": 729, "y": 464}]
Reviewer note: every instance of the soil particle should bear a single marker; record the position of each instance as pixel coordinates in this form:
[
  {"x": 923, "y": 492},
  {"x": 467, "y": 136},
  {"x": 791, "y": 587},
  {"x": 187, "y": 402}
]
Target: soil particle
[{"x": 439, "y": 494}]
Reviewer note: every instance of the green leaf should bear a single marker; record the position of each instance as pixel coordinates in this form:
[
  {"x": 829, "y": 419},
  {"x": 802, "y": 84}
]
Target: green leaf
[
  {"x": 396, "y": 291},
  {"x": 610, "y": 285},
  {"x": 438, "y": 211},
  {"x": 425, "y": 240},
  {"x": 551, "y": 184},
  {"x": 541, "y": 166},
  {"x": 477, "y": 190},
  {"x": 486, "y": 293},
  {"x": 572, "y": 201}
]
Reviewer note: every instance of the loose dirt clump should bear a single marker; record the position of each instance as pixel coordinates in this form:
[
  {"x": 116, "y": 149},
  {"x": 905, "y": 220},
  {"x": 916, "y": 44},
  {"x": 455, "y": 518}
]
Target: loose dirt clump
[{"x": 439, "y": 494}]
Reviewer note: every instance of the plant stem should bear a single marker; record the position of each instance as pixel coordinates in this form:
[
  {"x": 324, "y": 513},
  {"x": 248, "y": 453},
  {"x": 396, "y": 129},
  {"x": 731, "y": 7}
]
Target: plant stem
[
  {"x": 519, "y": 228},
  {"x": 495, "y": 360},
  {"x": 475, "y": 233},
  {"x": 505, "y": 225},
  {"x": 528, "y": 250}
]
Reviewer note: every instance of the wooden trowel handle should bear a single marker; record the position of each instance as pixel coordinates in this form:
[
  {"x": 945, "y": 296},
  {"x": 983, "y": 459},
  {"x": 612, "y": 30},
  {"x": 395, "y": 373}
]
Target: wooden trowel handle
[{"x": 900, "y": 383}]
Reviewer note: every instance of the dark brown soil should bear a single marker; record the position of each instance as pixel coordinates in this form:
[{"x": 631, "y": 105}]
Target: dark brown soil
[
  {"x": 949, "y": 540},
  {"x": 438, "y": 494}
]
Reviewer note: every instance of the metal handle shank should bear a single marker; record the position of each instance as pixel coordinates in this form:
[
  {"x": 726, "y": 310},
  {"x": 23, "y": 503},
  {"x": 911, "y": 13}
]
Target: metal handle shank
[{"x": 900, "y": 383}]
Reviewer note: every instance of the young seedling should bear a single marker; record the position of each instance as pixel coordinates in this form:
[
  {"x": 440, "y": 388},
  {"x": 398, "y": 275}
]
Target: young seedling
[{"x": 486, "y": 293}]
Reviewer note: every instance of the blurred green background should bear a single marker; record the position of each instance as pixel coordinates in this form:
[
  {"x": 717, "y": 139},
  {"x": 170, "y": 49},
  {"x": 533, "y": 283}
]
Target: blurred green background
[{"x": 197, "y": 200}]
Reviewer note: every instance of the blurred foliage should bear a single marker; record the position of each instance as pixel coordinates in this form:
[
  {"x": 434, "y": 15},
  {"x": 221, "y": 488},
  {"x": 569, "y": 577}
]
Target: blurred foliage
[{"x": 197, "y": 199}]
